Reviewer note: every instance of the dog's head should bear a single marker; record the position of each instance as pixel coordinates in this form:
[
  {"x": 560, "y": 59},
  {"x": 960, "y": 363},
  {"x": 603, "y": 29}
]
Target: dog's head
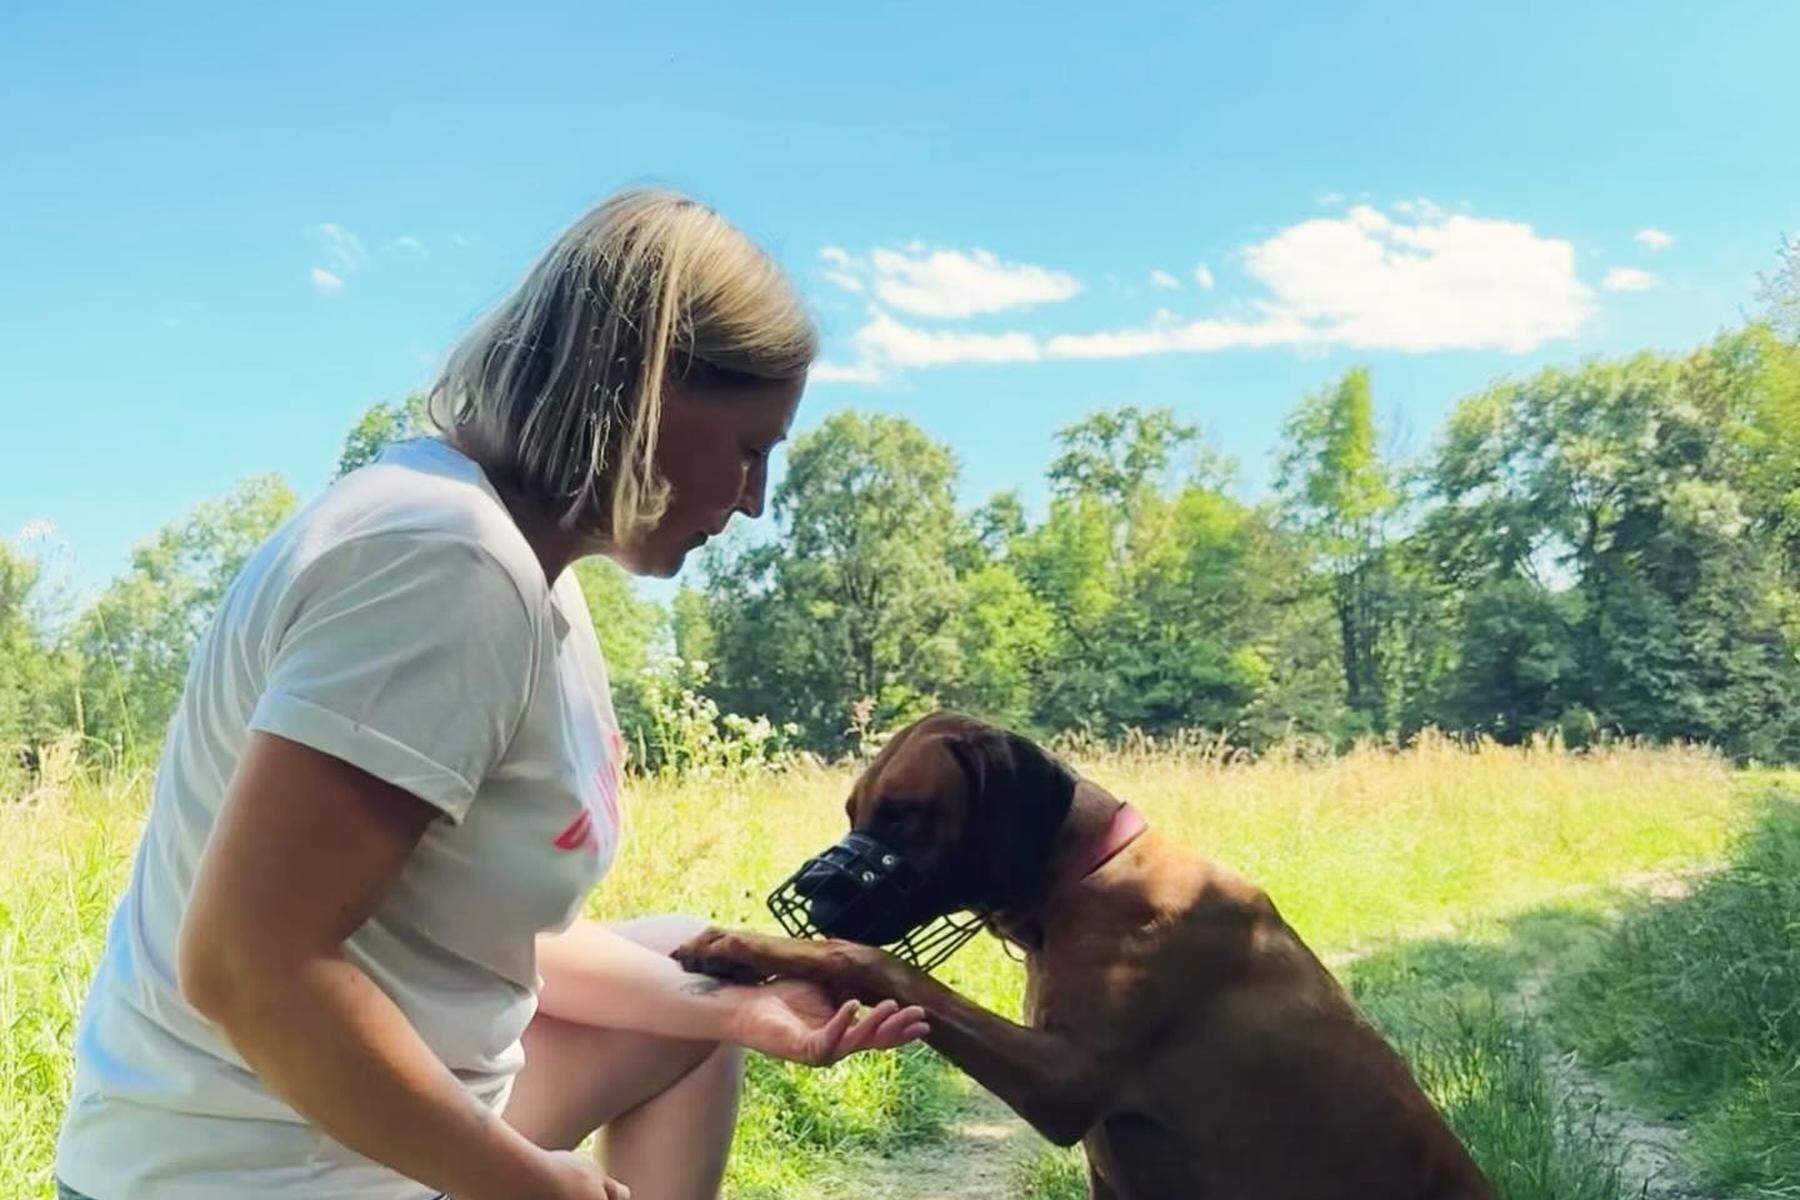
[{"x": 953, "y": 815}]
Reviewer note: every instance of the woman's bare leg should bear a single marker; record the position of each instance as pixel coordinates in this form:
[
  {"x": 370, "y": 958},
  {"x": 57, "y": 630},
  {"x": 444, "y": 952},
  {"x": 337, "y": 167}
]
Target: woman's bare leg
[{"x": 665, "y": 1107}]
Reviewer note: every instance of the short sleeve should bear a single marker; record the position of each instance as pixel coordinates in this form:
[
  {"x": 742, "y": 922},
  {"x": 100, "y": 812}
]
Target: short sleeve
[{"x": 409, "y": 656}]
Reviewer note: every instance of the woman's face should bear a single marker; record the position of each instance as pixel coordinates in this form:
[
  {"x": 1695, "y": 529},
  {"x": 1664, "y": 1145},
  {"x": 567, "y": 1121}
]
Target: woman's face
[{"x": 713, "y": 449}]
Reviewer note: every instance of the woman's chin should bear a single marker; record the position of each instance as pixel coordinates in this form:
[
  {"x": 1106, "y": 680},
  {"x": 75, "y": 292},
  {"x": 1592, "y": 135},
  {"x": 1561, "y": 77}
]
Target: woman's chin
[{"x": 665, "y": 564}]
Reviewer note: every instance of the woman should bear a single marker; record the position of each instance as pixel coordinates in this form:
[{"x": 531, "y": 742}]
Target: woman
[{"x": 347, "y": 963}]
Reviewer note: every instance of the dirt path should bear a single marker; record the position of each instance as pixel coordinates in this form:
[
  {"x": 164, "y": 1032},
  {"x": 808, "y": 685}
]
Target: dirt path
[
  {"x": 1651, "y": 1164},
  {"x": 979, "y": 1160}
]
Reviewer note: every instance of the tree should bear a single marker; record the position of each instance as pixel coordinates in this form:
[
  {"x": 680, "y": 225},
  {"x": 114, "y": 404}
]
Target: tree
[
  {"x": 1006, "y": 637},
  {"x": 37, "y": 677},
  {"x": 1766, "y": 369},
  {"x": 380, "y": 425},
  {"x": 1174, "y": 606},
  {"x": 1518, "y": 669},
  {"x": 1339, "y": 496},
  {"x": 136, "y": 638},
  {"x": 1628, "y": 484},
  {"x": 857, "y": 599},
  {"x": 630, "y": 628},
  {"x": 1780, "y": 292},
  {"x": 1121, "y": 454},
  {"x": 690, "y": 622}
]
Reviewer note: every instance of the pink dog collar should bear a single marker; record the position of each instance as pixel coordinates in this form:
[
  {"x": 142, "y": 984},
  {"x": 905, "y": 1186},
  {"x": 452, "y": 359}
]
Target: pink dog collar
[{"x": 1126, "y": 826}]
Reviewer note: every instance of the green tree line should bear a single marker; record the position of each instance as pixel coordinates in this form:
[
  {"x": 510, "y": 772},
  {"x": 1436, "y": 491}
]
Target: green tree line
[{"x": 1610, "y": 549}]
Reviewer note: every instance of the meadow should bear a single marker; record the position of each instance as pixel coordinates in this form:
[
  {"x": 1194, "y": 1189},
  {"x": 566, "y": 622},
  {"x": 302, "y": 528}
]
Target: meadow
[{"x": 1502, "y": 913}]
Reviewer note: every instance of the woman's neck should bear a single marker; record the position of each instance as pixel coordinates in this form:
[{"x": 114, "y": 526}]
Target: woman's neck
[{"x": 554, "y": 545}]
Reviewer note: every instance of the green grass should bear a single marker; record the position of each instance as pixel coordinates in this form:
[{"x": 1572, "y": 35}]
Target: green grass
[
  {"x": 1448, "y": 1007},
  {"x": 1052, "y": 1175},
  {"x": 1693, "y": 1006},
  {"x": 1366, "y": 852},
  {"x": 794, "y": 1119},
  {"x": 61, "y": 866}
]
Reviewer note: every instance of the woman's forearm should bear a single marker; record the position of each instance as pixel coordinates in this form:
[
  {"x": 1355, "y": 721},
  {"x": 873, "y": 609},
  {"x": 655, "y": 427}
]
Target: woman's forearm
[
  {"x": 595, "y": 976},
  {"x": 325, "y": 1039}
]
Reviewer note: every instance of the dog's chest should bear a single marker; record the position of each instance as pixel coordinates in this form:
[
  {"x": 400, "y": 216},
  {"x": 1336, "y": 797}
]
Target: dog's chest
[
  {"x": 1138, "y": 1159},
  {"x": 1035, "y": 1006}
]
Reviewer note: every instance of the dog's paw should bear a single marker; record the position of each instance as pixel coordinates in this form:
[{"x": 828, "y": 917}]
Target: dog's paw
[{"x": 721, "y": 954}]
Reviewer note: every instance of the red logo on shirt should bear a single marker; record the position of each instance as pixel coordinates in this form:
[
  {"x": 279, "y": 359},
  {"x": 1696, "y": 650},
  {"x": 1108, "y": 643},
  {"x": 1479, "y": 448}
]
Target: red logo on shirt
[
  {"x": 580, "y": 830},
  {"x": 608, "y": 781}
]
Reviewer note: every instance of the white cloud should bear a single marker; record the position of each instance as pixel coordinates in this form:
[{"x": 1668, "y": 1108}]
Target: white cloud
[
  {"x": 408, "y": 242},
  {"x": 840, "y": 269},
  {"x": 1163, "y": 279},
  {"x": 828, "y": 372},
  {"x": 886, "y": 345},
  {"x": 1331, "y": 199},
  {"x": 343, "y": 250},
  {"x": 1195, "y": 337},
  {"x": 1439, "y": 283},
  {"x": 325, "y": 283},
  {"x": 946, "y": 283},
  {"x": 1629, "y": 279},
  {"x": 39, "y": 529},
  {"x": 885, "y": 341},
  {"x": 1656, "y": 239},
  {"x": 1363, "y": 279},
  {"x": 1421, "y": 208}
]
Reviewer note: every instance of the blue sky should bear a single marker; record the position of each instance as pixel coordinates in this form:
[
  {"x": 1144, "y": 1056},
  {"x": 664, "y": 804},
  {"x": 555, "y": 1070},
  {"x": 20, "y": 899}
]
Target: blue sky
[{"x": 224, "y": 232}]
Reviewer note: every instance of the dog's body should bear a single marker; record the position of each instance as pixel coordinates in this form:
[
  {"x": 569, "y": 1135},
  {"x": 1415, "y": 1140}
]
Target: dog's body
[{"x": 1177, "y": 1027}]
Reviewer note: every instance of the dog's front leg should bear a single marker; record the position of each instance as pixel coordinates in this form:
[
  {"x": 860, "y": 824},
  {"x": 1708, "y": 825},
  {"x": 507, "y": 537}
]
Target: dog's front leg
[{"x": 1051, "y": 1081}]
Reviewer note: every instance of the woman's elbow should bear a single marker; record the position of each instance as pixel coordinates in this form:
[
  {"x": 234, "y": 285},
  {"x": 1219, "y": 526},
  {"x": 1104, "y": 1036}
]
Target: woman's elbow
[
  {"x": 200, "y": 971},
  {"x": 215, "y": 974}
]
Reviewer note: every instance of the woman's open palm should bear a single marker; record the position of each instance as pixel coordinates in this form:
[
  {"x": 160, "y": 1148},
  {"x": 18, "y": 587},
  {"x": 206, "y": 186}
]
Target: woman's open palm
[{"x": 796, "y": 1020}]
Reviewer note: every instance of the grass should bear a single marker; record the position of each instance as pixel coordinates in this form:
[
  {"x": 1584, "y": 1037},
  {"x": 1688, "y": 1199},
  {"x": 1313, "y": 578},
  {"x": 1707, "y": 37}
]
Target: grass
[
  {"x": 1362, "y": 853},
  {"x": 61, "y": 866},
  {"x": 1693, "y": 1006},
  {"x": 1447, "y": 1005}
]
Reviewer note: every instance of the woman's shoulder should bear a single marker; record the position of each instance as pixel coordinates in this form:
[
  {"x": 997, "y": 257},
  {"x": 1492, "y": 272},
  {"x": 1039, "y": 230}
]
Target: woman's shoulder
[{"x": 422, "y": 500}]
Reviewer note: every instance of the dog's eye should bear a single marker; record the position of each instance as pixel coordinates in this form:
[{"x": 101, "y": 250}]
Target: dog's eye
[{"x": 901, "y": 819}]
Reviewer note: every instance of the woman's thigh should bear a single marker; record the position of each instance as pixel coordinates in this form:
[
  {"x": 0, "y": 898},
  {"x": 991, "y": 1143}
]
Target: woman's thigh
[{"x": 578, "y": 1077}]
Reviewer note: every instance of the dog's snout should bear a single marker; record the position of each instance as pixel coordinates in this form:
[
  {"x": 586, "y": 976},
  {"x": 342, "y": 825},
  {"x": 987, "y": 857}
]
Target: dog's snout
[{"x": 843, "y": 901}]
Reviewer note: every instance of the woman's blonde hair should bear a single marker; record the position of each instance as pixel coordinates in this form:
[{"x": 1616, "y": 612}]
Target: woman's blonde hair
[{"x": 559, "y": 391}]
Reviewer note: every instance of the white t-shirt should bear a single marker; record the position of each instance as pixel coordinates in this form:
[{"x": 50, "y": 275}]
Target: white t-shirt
[{"x": 401, "y": 623}]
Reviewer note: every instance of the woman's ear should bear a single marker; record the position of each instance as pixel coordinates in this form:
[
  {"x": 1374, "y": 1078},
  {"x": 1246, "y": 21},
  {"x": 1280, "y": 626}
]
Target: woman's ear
[{"x": 1019, "y": 797}]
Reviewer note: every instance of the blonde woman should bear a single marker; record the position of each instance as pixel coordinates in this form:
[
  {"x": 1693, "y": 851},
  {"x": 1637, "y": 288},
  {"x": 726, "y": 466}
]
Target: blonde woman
[{"x": 349, "y": 962}]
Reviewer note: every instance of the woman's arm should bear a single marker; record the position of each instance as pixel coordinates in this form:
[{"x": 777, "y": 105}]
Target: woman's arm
[
  {"x": 595, "y": 976},
  {"x": 304, "y": 849}
]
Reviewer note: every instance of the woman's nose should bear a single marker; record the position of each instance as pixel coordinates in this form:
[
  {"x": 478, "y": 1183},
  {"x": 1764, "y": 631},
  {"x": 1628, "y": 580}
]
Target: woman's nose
[{"x": 750, "y": 500}]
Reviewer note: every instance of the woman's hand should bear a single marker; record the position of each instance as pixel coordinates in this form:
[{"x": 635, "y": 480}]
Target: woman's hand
[
  {"x": 570, "y": 1176},
  {"x": 797, "y": 1021}
]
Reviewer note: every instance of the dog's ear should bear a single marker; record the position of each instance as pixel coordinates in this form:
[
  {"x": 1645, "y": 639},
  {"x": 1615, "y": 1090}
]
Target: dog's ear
[{"x": 1019, "y": 797}]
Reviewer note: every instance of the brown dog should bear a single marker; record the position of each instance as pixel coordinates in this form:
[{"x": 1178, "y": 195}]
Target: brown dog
[{"x": 1177, "y": 1027}]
